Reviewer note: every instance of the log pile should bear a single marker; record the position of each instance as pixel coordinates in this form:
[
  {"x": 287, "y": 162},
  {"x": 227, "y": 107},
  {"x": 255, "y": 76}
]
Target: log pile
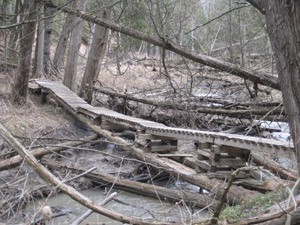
[{"x": 202, "y": 169}]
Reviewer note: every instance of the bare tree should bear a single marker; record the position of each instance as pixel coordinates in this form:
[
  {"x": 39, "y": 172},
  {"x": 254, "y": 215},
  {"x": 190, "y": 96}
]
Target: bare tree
[
  {"x": 38, "y": 70},
  {"x": 27, "y": 38},
  {"x": 58, "y": 59},
  {"x": 75, "y": 41},
  {"x": 282, "y": 19},
  {"x": 47, "y": 42},
  {"x": 95, "y": 58}
]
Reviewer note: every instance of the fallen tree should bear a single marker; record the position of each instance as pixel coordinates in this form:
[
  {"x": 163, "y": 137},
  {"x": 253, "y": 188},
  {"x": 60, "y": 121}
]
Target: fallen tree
[
  {"x": 275, "y": 167},
  {"x": 276, "y": 110},
  {"x": 236, "y": 194},
  {"x": 149, "y": 190},
  {"x": 256, "y": 77},
  {"x": 74, "y": 194},
  {"x": 39, "y": 152}
]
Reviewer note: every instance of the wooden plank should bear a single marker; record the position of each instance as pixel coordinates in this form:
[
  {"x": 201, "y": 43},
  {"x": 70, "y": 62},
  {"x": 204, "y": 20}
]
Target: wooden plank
[
  {"x": 215, "y": 153},
  {"x": 201, "y": 145},
  {"x": 175, "y": 155},
  {"x": 227, "y": 174},
  {"x": 203, "y": 164},
  {"x": 233, "y": 163},
  {"x": 163, "y": 148},
  {"x": 237, "y": 152},
  {"x": 203, "y": 154}
]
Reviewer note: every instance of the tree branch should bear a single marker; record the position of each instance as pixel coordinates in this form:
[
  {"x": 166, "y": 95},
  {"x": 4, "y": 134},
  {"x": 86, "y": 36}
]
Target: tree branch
[
  {"x": 254, "y": 76},
  {"x": 74, "y": 194}
]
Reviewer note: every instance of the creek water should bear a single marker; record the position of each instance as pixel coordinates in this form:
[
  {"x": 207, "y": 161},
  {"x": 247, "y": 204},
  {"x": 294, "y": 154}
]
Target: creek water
[{"x": 126, "y": 203}]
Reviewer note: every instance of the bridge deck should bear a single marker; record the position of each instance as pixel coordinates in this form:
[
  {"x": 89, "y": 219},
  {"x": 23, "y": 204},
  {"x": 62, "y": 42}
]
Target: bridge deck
[{"x": 78, "y": 105}]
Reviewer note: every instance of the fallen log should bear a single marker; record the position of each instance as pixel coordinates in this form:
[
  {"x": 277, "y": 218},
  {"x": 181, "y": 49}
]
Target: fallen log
[
  {"x": 235, "y": 195},
  {"x": 149, "y": 190},
  {"x": 39, "y": 152},
  {"x": 197, "y": 108},
  {"x": 254, "y": 76},
  {"x": 74, "y": 194},
  {"x": 275, "y": 167}
]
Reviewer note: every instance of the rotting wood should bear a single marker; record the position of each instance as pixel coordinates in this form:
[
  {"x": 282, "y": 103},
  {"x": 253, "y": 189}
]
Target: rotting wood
[
  {"x": 276, "y": 168},
  {"x": 235, "y": 195},
  {"x": 17, "y": 160},
  {"x": 149, "y": 190},
  {"x": 71, "y": 102},
  {"x": 74, "y": 194},
  {"x": 188, "y": 174},
  {"x": 197, "y": 108}
]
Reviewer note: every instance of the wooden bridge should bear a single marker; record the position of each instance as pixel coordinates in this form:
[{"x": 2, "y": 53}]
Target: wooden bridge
[{"x": 215, "y": 152}]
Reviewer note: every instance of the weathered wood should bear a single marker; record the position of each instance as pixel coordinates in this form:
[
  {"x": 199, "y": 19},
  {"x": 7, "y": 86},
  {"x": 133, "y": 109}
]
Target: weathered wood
[
  {"x": 89, "y": 211},
  {"x": 77, "y": 196},
  {"x": 238, "y": 141},
  {"x": 215, "y": 153},
  {"x": 175, "y": 155},
  {"x": 196, "y": 107},
  {"x": 236, "y": 194},
  {"x": 235, "y": 151},
  {"x": 203, "y": 154},
  {"x": 162, "y": 148},
  {"x": 149, "y": 190},
  {"x": 17, "y": 160},
  {"x": 232, "y": 163},
  {"x": 275, "y": 167},
  {"x": 204, "y": 165}
]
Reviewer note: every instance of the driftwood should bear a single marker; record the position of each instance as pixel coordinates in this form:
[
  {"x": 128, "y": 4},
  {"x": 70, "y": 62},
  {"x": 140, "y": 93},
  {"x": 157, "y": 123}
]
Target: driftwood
[
  {"x": 17, "y": 160},
  {"x": 74, "y": 194},
  {"x": 254, "y": 76},
  {"x": 149, "y": 190},
  {"x": 196, "y": 108},
  {"x": 275, "y": 167}
]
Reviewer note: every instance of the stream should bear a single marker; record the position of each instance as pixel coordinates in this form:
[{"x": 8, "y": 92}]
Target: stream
[{"x": 127, "y": 203}]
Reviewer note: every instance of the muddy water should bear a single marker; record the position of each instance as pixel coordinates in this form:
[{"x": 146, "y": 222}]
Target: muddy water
[{"x": 129, "y": 204}]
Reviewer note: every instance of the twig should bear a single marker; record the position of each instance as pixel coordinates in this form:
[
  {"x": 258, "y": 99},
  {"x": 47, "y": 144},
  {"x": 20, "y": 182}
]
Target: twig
[
  {"x": 89, "y": 212},
  {"x": 217, "y": 212},
  {"x": 80, "y": 175},
  {"x": 74, "y": 194}
]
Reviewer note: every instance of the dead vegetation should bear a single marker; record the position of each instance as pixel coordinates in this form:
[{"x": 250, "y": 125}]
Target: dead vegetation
[{"x": 38, "y": 126}]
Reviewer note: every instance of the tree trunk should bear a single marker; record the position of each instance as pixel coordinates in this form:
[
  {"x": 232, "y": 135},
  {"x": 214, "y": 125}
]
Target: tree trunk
[
  {"x": 14, "y": 34},
  {"x": 58, "y": 59},
  {"x": 283, "y": 21},
  {"x": 75, "y": 41},
  {"x": 38, "y": 69},
  {"x": 21, "y": 80},
  {"x": 74, "y": 194},
  {"x": 47, "y": 42},
  {"x": 94, "y": 60},
  {"x": 254, "y": 76}
]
